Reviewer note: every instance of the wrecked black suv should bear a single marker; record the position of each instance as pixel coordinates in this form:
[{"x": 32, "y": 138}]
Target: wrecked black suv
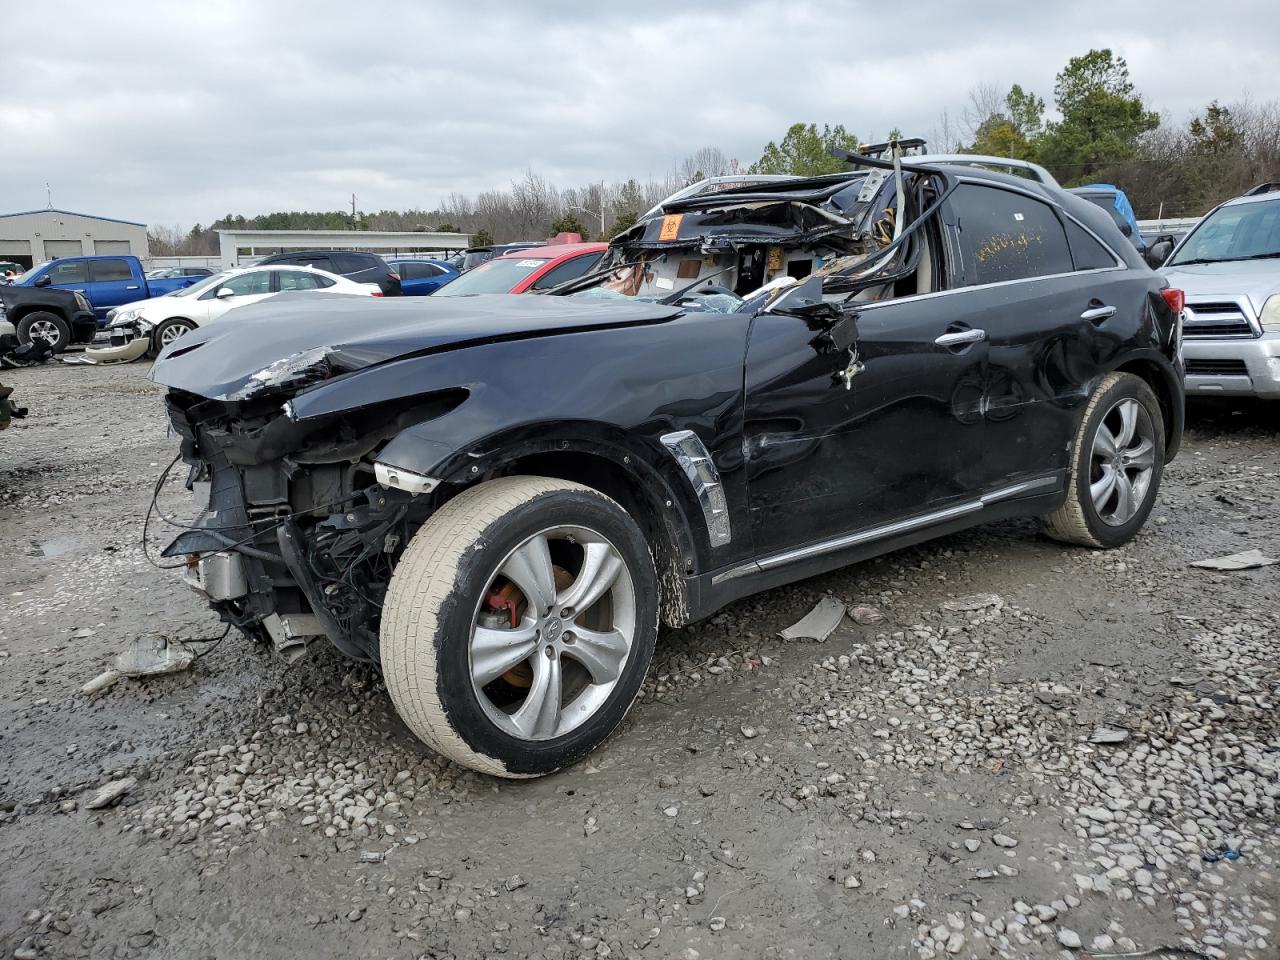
[{"x": 498, "y": 499}]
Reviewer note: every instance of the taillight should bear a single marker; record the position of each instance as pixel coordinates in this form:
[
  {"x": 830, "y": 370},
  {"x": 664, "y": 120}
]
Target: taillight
[
  {"x": 378, "y": 293},
  {"x": 1175, "y": 298}
]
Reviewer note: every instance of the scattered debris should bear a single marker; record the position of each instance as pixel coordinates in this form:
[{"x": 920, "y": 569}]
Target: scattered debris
[
  {"x": 1109, "y": 733},
  {"x": 109, "y": 794},
  {"x": 1247, "y": 560},
  {"x": 866, "y": 615},
  {"x": 372, "y": 856},
  {"x": 974, "y": 603},
  {"x": 143, "y": 658},
  {"x": 818, "y": 623}
]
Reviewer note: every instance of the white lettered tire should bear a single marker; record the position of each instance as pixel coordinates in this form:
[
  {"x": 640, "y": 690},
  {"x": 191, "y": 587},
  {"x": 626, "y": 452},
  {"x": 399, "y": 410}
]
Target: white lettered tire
[{"x": 519, "y": 624}]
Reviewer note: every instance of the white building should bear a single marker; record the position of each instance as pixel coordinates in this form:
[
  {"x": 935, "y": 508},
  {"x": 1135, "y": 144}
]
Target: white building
[
  {"x": 36, "y": 236},
  {"x": 239, "y": 247}
]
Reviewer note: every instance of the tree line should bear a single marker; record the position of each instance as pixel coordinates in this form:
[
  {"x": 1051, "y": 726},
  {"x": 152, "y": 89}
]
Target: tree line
[{"x": 1103, "y": 131}]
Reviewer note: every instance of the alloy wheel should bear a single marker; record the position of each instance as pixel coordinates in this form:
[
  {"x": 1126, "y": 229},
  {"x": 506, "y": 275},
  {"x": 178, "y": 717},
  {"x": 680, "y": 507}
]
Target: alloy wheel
[
  {"x": 1123, "y": 462},
  {"x": 173, "y": 332},
  {"x": 45, "y": 330},
  {"x": 552, "y": 633}
]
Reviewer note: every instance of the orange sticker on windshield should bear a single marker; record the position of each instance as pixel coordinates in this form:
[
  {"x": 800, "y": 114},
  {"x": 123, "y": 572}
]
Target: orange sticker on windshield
[{"x": 671, "y": 226}]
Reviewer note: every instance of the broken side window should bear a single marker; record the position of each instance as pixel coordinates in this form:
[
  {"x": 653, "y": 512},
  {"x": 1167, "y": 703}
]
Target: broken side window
[{"x": 1005, "y": 235}]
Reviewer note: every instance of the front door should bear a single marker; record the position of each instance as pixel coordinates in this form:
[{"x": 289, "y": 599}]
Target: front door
[
  {"x": 112, "y": 283},
  {"x": 890, "y": 427}
]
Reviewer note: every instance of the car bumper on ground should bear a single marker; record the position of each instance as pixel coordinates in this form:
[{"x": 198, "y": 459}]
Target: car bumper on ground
[
  {"x": 118, "y": 349},
  {"x": 1233, "y": 368}
]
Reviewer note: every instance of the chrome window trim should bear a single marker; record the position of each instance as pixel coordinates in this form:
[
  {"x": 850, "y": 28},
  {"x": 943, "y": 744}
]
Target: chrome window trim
[
  {"x": 871, "y": 305},
  {"x": 884, "y": 531}
]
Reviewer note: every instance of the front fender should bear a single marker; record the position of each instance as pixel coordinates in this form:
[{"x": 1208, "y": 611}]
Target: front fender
[{"x": 612, "y": 393}]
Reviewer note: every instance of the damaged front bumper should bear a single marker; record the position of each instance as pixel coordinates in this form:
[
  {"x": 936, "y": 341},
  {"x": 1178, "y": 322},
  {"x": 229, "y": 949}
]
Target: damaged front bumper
[{"x": 295, "y": 538}]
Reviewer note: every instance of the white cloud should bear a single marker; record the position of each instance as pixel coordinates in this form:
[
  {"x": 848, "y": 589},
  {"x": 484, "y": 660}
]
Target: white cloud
[{"x": 182, "y": 113}]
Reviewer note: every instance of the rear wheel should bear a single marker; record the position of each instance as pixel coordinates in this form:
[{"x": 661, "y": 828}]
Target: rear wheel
[
  {"x": 1116, "y": 464},
  {"x": 49, "y": 327},
  {"x": 519, "y": 625}
]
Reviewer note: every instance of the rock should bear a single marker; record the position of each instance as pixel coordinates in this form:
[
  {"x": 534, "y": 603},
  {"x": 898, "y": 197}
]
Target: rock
[
  {"x": 973, "y": 844},
  {"x": 750, "y": 733},
  {"x": 716, "y": 924},
  {"x": 1004, "y": 840},
  {"x": 110, "y": 793},
  {"x": 514, "y": 882},
  {"x": 851, "y": 882},
  {"x": 955, "y": 942},
  {"x": 1069, "y": 939}
]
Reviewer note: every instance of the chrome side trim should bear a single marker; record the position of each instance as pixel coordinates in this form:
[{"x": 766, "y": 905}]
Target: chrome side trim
[
  {"x": 406, "y": 480},
  {"x": 773, "y": 561},
  {"x": 1026, "y": 486},
  {"x": 695, "y": 461}
]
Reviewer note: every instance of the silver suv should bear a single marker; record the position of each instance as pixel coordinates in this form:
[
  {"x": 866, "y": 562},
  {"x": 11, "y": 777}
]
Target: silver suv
[{"x": 1229, "y": 268}]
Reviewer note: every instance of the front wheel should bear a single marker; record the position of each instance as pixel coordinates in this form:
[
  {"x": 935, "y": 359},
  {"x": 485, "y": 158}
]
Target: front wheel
[
  {"x": 1117, "y": 459},
  {"x": 49, "y": 327},
  {"x": 519, "y": 625},
  {"x": 169, "y": 331}
]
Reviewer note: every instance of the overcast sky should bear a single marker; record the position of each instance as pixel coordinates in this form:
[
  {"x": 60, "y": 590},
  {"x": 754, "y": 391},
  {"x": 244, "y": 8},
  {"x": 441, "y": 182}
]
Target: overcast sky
[{"x": 176, "y": 113}]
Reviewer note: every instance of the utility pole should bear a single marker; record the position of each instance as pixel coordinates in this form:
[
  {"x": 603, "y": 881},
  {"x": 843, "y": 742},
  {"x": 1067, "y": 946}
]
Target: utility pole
[
  {"x": 353, "y": 211},
  {"x": 48, "y": 194}
]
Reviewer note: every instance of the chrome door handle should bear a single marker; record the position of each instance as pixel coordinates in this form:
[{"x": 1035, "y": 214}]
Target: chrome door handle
[
  {"x": 961, "y": 337},
  {"x": 134, "y": 287},
  {"x": 1094, "y": 314}
]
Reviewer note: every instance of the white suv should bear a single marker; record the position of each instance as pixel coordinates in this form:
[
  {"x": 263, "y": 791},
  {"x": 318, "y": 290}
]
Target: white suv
[{"x": 1229, "y": 267}]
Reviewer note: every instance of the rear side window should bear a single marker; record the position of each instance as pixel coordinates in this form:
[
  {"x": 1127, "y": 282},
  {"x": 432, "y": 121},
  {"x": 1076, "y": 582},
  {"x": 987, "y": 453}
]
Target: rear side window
[
  {"x": 320, "y": 261},
  {"x": 1008, "y": 236},
  {"x": 348, "y": 263},
  {"x": 296, "y": 280},
  {"x": 77, "y": 271},
  {"x": 1087, "y": 252},
  {"x": 570, "y": 270},
  {"x": 103, "y": 270}
]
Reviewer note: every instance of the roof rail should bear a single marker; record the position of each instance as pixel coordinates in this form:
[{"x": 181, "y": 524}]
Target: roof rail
[
  {"x": 1271, "y": 186},
  {"x": 978, "y": 160}
]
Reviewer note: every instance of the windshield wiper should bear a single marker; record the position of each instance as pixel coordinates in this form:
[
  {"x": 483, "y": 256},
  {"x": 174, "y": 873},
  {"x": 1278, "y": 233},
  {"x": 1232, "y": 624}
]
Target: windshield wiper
[
  {"x": 1252, "y": 256},
  {"x": 560, "y": 289}
]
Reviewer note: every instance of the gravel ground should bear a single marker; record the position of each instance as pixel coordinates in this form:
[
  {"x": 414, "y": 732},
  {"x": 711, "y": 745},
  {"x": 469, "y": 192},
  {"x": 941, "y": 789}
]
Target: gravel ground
[{"x": 922, "y": 786}]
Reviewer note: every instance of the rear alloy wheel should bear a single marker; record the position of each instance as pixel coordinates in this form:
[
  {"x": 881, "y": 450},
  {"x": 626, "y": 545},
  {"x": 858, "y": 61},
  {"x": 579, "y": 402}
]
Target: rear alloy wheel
[
  {"x": 169, "y": 331},
  {"x": 519, "y": 625},
  {"x": 1117, "y": 462},
  {"x": 45, "y": 326}
]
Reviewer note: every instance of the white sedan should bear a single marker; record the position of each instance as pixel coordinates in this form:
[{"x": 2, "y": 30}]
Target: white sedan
[{"x": 147, "y": 326}]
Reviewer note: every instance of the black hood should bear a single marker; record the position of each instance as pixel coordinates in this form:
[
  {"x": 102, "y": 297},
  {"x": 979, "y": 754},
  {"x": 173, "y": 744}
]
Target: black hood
[{"x": 221, "y": 357}]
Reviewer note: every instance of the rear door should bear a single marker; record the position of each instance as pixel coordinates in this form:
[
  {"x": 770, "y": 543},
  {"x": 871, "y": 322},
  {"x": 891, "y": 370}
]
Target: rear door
[
  {"x": 111, "y": 283},
  {"x": 1043, "y": 313}
]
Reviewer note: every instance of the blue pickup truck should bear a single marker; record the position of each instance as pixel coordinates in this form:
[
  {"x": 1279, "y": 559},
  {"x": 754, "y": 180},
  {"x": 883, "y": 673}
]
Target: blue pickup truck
[{"x": 106, "y": 282}]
